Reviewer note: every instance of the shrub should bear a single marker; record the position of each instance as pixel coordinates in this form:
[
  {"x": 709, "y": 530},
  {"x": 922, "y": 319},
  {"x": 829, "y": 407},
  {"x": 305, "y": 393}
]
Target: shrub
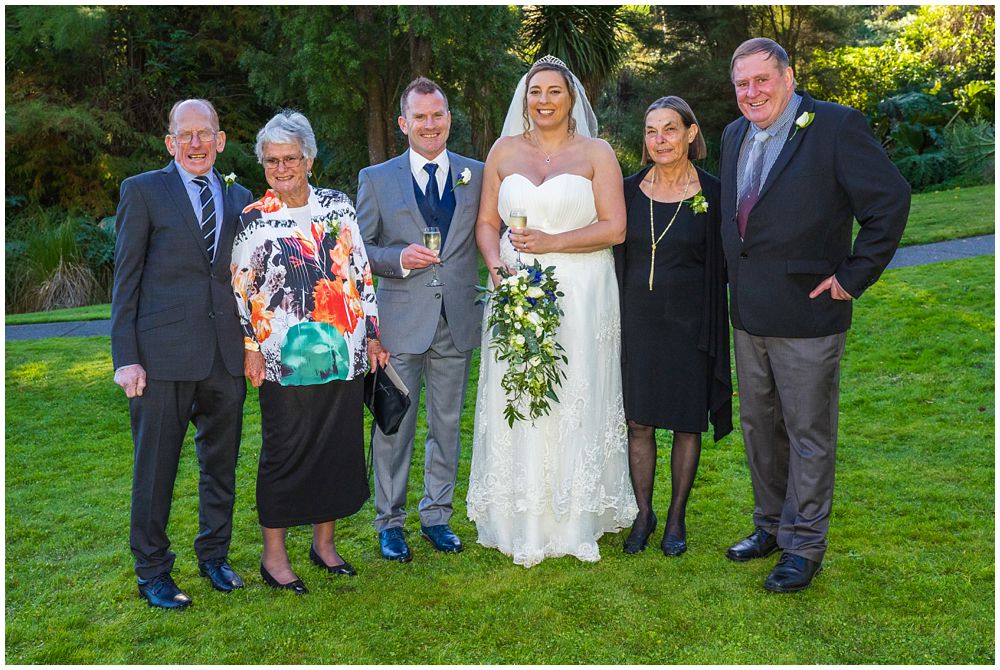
[{"x": 972, "y": 146}]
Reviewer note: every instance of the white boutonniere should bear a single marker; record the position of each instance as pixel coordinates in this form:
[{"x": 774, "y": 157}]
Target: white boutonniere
[
  {"x": 229, "y": 179},
  {"x": 802, "y": 122},
  {"x": 463, "y": 178}
]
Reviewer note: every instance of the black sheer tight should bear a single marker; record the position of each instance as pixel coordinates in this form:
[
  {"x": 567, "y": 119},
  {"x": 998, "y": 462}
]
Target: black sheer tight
[{"x": 684, "y": 457}]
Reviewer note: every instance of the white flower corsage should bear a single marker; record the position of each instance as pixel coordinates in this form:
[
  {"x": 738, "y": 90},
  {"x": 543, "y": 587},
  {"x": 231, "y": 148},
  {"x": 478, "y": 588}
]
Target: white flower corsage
[
  {"x": 463, "y": 178},
  {"x": 802, "y": 122},
  {"x": 229, "y": 179}
]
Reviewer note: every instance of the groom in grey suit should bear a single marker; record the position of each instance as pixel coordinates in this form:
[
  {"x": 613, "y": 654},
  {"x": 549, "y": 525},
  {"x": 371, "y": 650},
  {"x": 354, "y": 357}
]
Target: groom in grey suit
[{"x": 431, "y": 331}]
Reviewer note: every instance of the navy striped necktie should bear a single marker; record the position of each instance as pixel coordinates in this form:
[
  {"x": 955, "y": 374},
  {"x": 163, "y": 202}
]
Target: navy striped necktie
[{"x": 207, "y": 215}]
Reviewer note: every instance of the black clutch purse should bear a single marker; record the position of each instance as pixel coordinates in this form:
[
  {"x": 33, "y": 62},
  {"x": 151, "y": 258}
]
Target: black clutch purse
[{"x": 387, "y": 398}]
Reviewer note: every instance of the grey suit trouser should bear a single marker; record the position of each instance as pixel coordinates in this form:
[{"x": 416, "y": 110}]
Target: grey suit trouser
[
  {"x": 445, "y": 371},
  {"x": 789, "y": 401},
  {"x": 160, "y": 418}
]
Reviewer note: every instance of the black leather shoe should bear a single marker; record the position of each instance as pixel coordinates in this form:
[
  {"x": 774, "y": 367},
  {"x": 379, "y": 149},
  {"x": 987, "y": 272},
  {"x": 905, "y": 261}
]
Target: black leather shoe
[
  {"x": 297, "y": 586},
  {"x": 221, "y": 574},
  {"x": 671, "y": 545},
  {"x": 638, "y": 537},
  {"x": 344, "y": 568},
  {"x": 393, "y": 545},
  {"x": 757, "y": 544},
  {"x": 792, "y": 573},
  {"x": 160, "y": 591},
  {"x": 443, "y": 538}
]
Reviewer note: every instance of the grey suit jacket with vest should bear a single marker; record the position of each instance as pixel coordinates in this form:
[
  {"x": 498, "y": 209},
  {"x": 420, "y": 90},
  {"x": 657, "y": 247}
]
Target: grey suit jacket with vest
[{"x": 390, "y": 221}]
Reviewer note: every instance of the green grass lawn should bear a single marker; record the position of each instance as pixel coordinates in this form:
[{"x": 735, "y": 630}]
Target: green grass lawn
[
  {"x": 908, "y": 579},
  {"x": 943, "y": 215}
]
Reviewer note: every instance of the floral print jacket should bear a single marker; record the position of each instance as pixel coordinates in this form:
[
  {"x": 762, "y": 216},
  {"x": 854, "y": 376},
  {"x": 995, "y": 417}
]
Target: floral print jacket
[{"x": 307, "y": 301}]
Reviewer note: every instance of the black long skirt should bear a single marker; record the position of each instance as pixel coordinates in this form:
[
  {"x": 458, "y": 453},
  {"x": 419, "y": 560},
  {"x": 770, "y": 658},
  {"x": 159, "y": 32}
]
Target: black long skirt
[{"x": 312, "y": 460}]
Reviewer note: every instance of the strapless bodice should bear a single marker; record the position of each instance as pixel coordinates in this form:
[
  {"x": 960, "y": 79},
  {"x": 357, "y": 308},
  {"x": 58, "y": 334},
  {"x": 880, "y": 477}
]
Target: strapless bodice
[{"x": 560, "y": 203}]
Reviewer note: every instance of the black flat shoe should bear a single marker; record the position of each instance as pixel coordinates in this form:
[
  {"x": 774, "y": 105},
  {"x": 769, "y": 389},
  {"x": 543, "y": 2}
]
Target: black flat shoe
[
  {"x": 297, "y": 586},
  {"x": 639, "y": 537},
  {"x": 758, "y": 544},
  {"x": 673, "y": 545},
  {"x": 344, "y": 568}
]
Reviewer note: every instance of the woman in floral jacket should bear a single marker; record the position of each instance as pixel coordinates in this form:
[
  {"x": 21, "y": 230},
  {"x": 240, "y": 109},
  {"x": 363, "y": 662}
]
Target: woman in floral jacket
[{"x": 305, "y": 296}]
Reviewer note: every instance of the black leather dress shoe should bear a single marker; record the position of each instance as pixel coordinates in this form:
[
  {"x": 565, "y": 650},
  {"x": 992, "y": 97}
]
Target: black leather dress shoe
[
  {"x": 160, "y": 591},
  {"x": 639, "y": 536},
  {"x": 393, "y": 545},
  {"x": 792, "y": 573},
  {"x": 221, "y": 574},
  {"x": 443, "y": 538},
  {"x": 297, "y": 586},
  {"x": 344, "y": 568},
  {"x": 671, "y": 545},
  {"x": 757, "y": 544}
]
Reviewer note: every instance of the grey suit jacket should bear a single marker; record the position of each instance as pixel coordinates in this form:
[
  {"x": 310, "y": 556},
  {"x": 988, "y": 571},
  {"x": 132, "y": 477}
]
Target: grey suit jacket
[
  {"x": 390, "y": 221},
  {"x": 170, "y": 305}
]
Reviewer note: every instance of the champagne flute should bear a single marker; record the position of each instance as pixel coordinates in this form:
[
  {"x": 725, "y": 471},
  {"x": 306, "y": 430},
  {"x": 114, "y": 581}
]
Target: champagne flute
[
  {"x": 432, "y": 240},
  {"x": 518, "y": 221}
]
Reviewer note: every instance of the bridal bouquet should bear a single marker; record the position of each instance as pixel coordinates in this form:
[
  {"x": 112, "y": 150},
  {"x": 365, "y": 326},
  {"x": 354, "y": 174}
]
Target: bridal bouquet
[{"x": 523, "y": 322}]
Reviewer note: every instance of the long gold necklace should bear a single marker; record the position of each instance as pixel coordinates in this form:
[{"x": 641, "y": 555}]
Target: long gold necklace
[{"x": 654, "y": 240}]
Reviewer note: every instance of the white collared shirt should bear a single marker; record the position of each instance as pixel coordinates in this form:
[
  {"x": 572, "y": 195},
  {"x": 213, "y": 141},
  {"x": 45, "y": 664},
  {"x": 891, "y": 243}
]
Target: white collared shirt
[{"x": 417, "y": 163}]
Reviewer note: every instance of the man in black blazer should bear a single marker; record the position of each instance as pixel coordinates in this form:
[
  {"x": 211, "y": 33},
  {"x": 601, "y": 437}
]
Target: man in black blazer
[
  {"x": 796, "y": 172},
  {"x": 177, "y": 346}
]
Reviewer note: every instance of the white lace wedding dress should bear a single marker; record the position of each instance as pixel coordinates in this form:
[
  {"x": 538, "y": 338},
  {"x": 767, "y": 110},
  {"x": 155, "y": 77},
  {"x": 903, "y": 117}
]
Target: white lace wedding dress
[{"x": 553, "y": 488}]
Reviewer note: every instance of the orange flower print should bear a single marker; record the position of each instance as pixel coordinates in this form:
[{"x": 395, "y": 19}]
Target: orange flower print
[
  {"x": 333, "y": 307},
  {"x": 368, "y": 276},
  {"x": 269, "y": 203},
  {"x": 340, "y": 254},
  {"x": 260, "y": 317}
]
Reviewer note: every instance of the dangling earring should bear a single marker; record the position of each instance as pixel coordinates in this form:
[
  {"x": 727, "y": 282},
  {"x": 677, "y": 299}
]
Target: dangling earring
[{"x": 309, "y": 174}]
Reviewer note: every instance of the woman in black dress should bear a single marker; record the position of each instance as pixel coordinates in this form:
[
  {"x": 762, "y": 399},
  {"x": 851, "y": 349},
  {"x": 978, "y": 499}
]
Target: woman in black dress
[{"x": 675, "y": 336}]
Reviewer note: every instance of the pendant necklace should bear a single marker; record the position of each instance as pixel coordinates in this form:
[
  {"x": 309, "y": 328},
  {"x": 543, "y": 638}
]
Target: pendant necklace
[
  {"x": 548, "y": 156},
  {"x": 654, "y": 240}
]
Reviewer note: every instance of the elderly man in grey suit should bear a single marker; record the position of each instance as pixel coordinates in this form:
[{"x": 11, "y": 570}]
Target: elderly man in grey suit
[
  {"x": 177, "y": 347},
  {"x": 796, "y": 173},
  {"x": 431, "y": 330}
]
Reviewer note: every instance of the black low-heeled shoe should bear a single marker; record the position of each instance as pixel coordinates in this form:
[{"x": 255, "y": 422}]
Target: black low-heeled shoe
[
  {"x": 344, "y": 568},
  {"x": 673, "y": 545},
  {"x": 297, "y": 586},
  {"x": 639, "y": 537}
]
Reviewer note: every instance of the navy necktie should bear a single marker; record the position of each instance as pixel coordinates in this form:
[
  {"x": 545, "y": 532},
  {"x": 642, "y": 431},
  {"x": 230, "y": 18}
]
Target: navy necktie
[
  {"x": 207, "y": 220},
  {"x": 433, "y": 197}
]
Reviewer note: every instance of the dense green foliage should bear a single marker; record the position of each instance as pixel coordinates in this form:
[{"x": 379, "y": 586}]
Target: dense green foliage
[
  {"x": 88, "y": 89},
  {"x": 909, "y": 578}
]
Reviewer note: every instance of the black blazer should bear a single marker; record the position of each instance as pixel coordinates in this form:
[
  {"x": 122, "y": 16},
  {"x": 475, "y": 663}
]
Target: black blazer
[
  {"x": 714, "y": 334},
  {"x": 170, "y": 305},
  {"x": 799, "y": 232}
]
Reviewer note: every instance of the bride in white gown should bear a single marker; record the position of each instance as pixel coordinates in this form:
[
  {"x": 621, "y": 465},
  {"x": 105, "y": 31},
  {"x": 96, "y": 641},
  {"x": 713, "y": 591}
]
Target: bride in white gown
[{"x": 552, "y": 487}]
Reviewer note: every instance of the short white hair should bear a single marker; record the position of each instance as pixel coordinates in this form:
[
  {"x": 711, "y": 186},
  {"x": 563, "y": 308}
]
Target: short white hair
[{"x": 287, "y": 127}]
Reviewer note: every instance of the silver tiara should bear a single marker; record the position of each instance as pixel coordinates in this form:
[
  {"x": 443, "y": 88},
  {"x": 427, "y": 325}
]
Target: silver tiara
[{"x": 551, "y": 60}]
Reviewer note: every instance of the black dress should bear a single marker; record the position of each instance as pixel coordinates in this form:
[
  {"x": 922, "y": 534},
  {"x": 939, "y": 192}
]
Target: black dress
[{"x": 675, "y": 338}]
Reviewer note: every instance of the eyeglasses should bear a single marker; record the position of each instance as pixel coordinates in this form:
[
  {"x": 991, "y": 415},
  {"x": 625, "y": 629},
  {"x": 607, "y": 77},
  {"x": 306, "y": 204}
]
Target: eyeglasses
[
  {"x": 287, "y": 161},
  {"x": 204, "y": 136}
]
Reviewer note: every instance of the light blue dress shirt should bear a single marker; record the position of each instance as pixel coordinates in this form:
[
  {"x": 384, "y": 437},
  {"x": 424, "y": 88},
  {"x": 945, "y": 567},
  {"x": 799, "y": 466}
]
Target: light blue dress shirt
[{"x": 194, "y": 195}]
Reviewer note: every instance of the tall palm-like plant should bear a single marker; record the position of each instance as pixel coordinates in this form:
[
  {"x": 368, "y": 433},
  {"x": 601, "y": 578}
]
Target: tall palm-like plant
[{"x": 590, "y": 39}]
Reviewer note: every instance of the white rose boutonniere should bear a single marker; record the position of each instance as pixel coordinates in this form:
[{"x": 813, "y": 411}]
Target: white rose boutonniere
[
  {"x": 802, "y": 122},
  {"x": 229, "y": 179},
  {"x": 463, "y": 178}
]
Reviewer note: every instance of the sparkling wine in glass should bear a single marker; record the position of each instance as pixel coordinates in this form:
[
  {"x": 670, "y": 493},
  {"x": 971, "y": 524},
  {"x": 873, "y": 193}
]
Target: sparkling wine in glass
[
  {"x": 432, "y": 240},
  {"x": 518, "y": 221}
]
